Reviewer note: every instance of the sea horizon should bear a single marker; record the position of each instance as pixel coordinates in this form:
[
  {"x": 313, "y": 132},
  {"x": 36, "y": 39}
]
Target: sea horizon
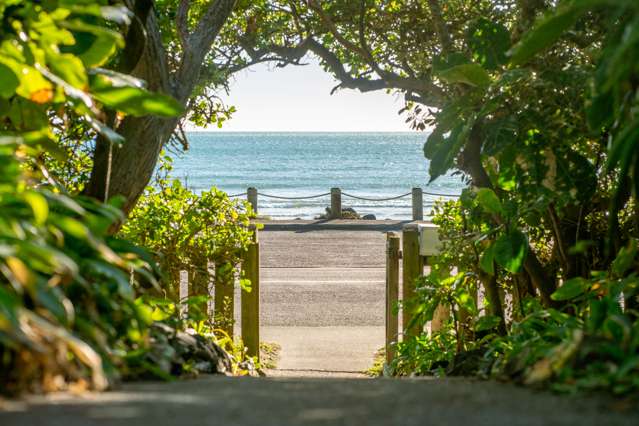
[{"x": 299, "y": 164}]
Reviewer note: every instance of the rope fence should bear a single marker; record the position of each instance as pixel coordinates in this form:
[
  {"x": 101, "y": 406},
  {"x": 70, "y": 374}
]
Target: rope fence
[
  {"x": 336, "y": 199},
  {"x": 278, "y": 197},
  {"x": 376, "y": 199},
  {"x": 357, "y": 197}
]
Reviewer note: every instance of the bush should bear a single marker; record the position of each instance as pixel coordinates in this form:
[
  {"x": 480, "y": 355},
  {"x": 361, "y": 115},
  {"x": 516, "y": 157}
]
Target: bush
[
  {"x": 67, "y": 304},
  {"x": 68, "y": 307},
  {"x": 187, "y": 231}
]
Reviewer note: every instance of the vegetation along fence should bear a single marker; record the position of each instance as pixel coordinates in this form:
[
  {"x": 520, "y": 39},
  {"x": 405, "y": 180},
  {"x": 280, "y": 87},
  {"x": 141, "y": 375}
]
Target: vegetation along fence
[
  {"x": 418, "y": 243},
  {"x": 223, "y": 298},
  {"x": 336, "y": 194}
]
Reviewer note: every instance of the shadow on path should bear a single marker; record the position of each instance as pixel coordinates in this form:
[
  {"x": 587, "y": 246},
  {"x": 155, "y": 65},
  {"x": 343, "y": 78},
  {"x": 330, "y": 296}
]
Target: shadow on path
[{"x": 281, "y": 402}]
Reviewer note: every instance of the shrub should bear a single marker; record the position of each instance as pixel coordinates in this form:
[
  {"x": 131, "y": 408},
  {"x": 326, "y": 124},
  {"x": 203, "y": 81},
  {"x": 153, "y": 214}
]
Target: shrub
[
  {"x": 68, "y": 311},
  {"x": 187, "y": 231}
]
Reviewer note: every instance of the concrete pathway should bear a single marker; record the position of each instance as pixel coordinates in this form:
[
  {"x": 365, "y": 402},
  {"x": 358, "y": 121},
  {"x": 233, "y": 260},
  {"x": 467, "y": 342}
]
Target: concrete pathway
[
  {"x": 310, "y": 401},
  {"x": 322, "y": 295}
]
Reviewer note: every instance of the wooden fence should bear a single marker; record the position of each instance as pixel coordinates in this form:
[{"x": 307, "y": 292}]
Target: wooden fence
[
  {"x": 418, "y": 243},
  {"x": 223, "y": 293}
]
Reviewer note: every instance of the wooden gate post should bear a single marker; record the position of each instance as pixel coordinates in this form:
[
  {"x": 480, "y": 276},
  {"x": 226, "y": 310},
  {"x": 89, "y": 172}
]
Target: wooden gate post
[
  {"x": 430, "y": 246},
  {"x": 251, "y": 300},
  {"x": 392, "y": 292},
  {"x": 441, "y": 314},
  {"x": 413, "y": 267},
  {"x": 336, "y": 203},
  {"x": 184, "y": 293},
  {"x": 224, "y": 300}
]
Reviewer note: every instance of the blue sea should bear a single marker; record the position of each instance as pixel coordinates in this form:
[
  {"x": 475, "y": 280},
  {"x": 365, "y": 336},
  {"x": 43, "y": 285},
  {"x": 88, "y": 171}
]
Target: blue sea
[{"x": 372, "y": 165}]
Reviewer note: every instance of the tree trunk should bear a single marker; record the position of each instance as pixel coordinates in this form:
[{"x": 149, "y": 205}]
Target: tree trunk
[
  {"x": 126, "y": 170},
  {"x": 470, "y": 162},
  {"x": 492, "y": 295}
]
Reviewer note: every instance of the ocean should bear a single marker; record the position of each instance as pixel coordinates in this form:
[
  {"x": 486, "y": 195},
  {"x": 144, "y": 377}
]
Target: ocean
[{"x": 370, "y": 165}]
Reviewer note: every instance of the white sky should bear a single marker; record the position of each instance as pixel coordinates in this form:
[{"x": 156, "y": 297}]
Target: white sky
[{"x": 298, "y": 99}]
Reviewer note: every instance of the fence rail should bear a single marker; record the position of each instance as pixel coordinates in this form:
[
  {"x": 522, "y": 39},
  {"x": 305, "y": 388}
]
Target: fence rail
[{"x": 336, "y": 194}]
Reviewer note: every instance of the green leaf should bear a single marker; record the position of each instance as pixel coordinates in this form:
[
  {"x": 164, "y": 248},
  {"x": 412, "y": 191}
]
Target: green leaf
[
  {"x": 487, "y": 260},
  {"x": 53, "y": 300},
  {"x": 511, "y": 250},
  {"x": 433, "y": 143},
  {"x": 97, "y": 43},
  {"x": 445, "y": 150},
  {"x": 39, "y": 205},
  {"x": 625, "y": 259},
  {"x": 73, "y": 227},
  {"x": 548, "y": 30},
  {"x": 488, "y": 42},
  {"x": 8, "y": 81},
  {"x": 33, "y": 85},
  {"x": 489, "y": 201},
  {"x": 444, "y": 62},
  {"x": 470, "y": 74},
  {"x": 69, "y": 68},
  {"x": 487, "y": 322},
  {"x": 135, "y": 100},
  {"x": 570, "y": 289},
  {"x": 107, "y": 272}
]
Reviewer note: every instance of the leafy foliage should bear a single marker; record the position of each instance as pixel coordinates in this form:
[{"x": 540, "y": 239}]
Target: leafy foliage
[
  {"x": 534, "y": 104},
  {"x": 186, "y": 230},
  {"x": 68, "y": 306}
]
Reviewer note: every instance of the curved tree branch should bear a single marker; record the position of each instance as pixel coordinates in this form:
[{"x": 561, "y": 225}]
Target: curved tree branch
[
  {"x": 440, "y": 25},
  {"x": 181, "y": 23}
]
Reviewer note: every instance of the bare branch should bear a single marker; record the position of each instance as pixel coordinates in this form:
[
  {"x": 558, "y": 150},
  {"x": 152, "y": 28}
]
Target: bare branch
[
  {"x": 428, "y": 93},
  {"x": 388, "y": 80},
  {"x": 181, "y": 23},
  {"x": 200, "y": 42},
  {"x": 440, "y": 25}
]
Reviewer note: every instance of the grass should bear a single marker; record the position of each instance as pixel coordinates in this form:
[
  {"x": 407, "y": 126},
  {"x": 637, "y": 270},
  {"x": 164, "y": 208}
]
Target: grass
[
  {"x": 269, "y": 355},
  {"x": 377, "y": 369}
]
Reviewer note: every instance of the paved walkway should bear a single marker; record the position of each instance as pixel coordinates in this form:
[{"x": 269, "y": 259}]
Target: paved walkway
[
  {"x": 306, "y": 401},
  {"x": 322, "y": 295}
]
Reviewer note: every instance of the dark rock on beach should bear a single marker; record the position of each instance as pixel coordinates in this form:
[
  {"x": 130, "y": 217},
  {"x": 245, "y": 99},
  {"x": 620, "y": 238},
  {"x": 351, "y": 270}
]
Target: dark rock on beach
[{"x": 347, "y": 213}]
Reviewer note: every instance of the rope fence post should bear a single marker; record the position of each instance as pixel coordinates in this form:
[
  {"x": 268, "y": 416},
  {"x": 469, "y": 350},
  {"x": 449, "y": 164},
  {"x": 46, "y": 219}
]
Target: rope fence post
[
  {"x": 250, "y": 303},
  {"x": 392, "y": 293},
  {"x": 413, "y": 267},
  {"x": 418, "y": 204},
  {"x": 251, "y": 197},
  {"x": 336, "y": 203}
]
